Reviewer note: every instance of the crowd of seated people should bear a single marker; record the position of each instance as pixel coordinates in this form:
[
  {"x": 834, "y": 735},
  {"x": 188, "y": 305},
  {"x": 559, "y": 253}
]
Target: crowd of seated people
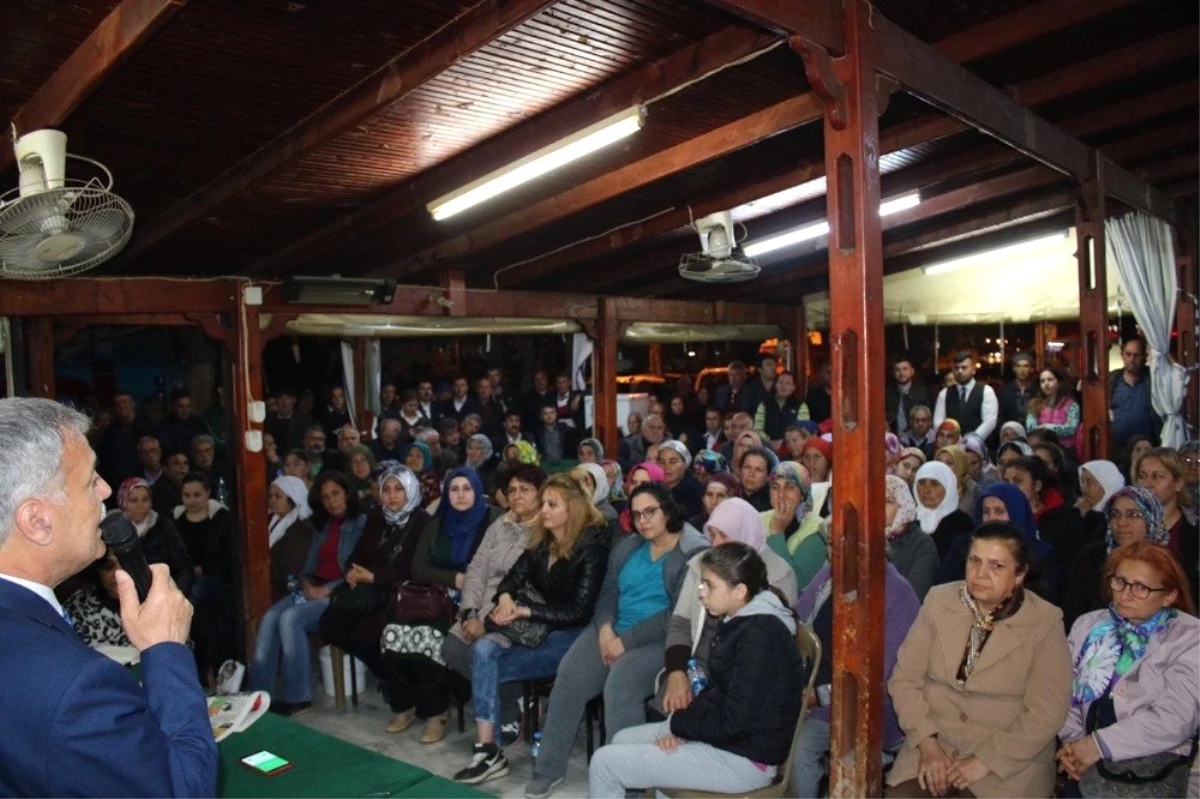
[{"x": 1040, "y": 630}]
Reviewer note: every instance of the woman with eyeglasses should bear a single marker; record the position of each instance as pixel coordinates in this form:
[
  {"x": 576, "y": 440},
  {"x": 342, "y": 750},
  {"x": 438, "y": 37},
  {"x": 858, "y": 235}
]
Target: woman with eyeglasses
[
  {"x": 1134, "y": 514},
  {"x": 619, "y": 653},
  {"x": 1135, "y": 703}
]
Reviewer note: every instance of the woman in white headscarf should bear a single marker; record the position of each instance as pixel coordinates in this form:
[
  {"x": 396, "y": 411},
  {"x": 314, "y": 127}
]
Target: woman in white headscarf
[
  {"x": 289, "y": 533},
  {"x": 596, "y": 481},
  {"x": 936, "y": 490},
  {"x": 1098, "y": 481},
  {"x": 382, "y": 559}
]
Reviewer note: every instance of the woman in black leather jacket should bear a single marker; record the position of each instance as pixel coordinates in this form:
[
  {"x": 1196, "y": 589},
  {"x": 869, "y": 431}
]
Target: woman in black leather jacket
[
  {"x": 737, "y": 731},
  {"x": 554, "y": 583}
]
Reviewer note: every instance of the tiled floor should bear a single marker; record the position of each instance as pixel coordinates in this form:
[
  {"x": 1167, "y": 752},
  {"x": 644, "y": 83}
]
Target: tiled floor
[{"x": 364, "y": 726}]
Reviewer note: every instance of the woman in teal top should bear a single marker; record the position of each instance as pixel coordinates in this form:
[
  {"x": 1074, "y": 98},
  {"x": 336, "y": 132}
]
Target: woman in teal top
[
  {"x": 791, "y": 522},
  {"x": 621, "y": 651}
]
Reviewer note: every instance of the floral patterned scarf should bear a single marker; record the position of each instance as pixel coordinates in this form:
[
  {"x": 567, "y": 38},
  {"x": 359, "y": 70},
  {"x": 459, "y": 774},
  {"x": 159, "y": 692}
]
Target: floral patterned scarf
[
  {"x": 1112, "y": 648},
  {"x": 982, "y": 625}
]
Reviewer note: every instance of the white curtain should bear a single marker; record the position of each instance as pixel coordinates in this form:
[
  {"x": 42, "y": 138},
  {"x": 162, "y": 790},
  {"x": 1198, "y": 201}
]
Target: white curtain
[
  {"x": 1141, "y": 248},
  {"x": 581, "y": 354},
  {"x": 348, "y": 379},
  {"x": 374, "y": 377}
]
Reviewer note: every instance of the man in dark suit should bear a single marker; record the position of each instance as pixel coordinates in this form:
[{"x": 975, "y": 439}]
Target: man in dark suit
[
  {"x": 491, "y": 413},
  {"x": 79, "y": 723},
  {"x": 461, "y": 402},
  {"x": 181, "y": 426},
  {"x": 335, "y": 414},
  {"x": 731, "y": 397},
  {"x": 511, "y": 434},
  {"x": 552, "y": 438},
  {"x": 118, "y": 448},
  {"x": 533, "y": 402},
  {"x": 904, "y": 395}
]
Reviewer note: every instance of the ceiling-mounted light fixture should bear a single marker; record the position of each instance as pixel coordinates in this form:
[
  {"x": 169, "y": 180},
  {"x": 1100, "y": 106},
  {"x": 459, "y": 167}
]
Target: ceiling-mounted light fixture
[
  {"x": 977, "y": 258},
  {"x": 549, "y": 158},
  {"x": 338, "y": 291},
  {"x": 818, "y": 229}
]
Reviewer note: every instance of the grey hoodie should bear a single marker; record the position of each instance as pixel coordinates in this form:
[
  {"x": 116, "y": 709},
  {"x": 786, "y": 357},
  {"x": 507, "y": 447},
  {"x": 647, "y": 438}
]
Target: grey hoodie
[{"x": 765, "y": 603}]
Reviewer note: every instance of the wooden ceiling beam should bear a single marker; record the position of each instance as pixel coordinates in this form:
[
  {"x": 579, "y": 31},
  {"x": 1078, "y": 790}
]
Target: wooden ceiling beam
[
  {"x": 1110, "y": 67},
  {"x": 81, "y": 296},
  {"x": 467, "y": 33},
  {"x": 126, "y": 27},
  {"x": 678, "y": 69},
  {"x": 790, "y": 113},
  {"x": 892, "y": 140},
  {"x": 1022, "y": 26}
]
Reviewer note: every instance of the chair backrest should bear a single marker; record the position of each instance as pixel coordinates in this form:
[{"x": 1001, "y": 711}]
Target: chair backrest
[{"x": 810, "y": 652}]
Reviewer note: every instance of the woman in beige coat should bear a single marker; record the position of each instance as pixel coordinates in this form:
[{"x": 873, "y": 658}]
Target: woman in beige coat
[{"x": 982, "y": 681}]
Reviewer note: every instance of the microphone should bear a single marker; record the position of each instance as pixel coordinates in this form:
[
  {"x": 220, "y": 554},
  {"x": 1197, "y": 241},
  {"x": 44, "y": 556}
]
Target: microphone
[{"x": 122, "y": 539}]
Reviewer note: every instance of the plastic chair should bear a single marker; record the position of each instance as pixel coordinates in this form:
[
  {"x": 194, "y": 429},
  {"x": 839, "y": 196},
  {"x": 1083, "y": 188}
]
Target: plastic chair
[
  {"x": 536, "y": 690},
  {"x": 810, "y": 651}
]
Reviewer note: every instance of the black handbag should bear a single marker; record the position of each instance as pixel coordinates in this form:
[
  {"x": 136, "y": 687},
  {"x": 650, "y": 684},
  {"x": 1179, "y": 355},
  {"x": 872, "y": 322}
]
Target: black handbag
[
  {"x": 1161, "y": 774},
  {"x": 361, "y": 600},
  {"x": 416, "y": 604},
  {"x": 522, "y": 632}
]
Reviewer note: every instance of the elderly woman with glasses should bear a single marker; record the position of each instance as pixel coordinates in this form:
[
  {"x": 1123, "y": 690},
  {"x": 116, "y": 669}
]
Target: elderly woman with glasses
[
  {"x": 1134, "y": 514},
  {"x": 1135, "y": 703}
]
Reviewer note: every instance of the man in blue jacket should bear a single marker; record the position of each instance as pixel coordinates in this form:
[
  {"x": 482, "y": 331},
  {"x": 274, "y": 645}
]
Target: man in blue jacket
[{"x": 78, "y": 724}]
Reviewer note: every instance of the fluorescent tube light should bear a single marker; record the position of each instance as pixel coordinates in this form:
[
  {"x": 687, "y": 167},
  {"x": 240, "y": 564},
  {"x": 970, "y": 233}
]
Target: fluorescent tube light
[
  {"x": 975, "y": 259},
  {"x": 547, "y": 159},
  {"x": 818, "y": 229}
]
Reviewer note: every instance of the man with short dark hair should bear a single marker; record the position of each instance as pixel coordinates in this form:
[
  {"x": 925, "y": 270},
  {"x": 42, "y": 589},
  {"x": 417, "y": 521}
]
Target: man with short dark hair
[
  {"x": 181, "y": 425},
  {"x": 1130, "y": 406},
  {"x": 287, "y": 422},
  {"x": 731, "y": 397},
  {"x": 820, "y": 396},
  {"x": 78, "y": 723},
  {"x": 491, "y": 411},
  {"x": 1014, "y": 395},
  {"x": 511, "y": 434},
  {"x": 425, "y": 403},
  {"x": 714, "y": 429},
  {"x": 533, "y": 402},
  {"x": 167, "y": 492},
  {"x": 150, "y": 453},
  {"x": 461, "y": 402},
  {"x": 552, "y": 438},
  {"x": 972, "y": 404},
  {"x": 506, "y": 398},
  {"x": 335, "y": 414},
  {"x": 450, "y": 437},
  {"x": 118, "y": 448},
  {"x": 904, "y": 394},
  {"x": 762, "y": 387},
  {"x": 314, "y": 445}
]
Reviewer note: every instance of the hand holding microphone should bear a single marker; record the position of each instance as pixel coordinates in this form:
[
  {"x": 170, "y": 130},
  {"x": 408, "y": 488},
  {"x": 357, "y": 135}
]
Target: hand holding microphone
[{"x": 153, "y": 609}]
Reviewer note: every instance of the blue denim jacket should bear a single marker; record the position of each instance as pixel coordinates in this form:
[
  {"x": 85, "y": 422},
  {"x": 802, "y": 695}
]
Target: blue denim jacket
[{"x": 352, "y": 530}]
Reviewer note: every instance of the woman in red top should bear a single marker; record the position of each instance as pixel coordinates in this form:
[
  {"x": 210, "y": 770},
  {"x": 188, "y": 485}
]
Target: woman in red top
[{"x": 281, "y": 649}]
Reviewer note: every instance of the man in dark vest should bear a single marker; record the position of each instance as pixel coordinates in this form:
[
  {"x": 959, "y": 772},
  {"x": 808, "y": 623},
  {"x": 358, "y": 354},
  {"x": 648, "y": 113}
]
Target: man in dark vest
[{"x": 973, "y": 405}]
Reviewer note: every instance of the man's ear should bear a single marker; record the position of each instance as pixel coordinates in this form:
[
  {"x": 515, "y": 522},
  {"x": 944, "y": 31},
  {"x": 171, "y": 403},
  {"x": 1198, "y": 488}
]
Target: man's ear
[{"x": 32, "y": 520}]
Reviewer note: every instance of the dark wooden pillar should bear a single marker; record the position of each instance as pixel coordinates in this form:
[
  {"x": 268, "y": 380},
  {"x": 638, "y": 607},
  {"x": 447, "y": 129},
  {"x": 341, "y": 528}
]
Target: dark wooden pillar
[
  {"x": 847, "y": 86},
  {"x": 361, "y": 386},
  {"x": 251, "y": 472},
  {"x": 1041, "y": 337},
  {"x": 1093, "y": 314},
  {"x": 1187, "y": 348},
  {"x": 604, "y": 377},
  {"x": 41, "y": 357}
]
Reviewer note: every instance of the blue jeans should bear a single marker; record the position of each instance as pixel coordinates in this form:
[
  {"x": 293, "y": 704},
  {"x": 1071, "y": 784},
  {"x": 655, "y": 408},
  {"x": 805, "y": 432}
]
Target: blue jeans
[
  {"x": 282, "y": 647},
  {"x": 496, "y": 660}
]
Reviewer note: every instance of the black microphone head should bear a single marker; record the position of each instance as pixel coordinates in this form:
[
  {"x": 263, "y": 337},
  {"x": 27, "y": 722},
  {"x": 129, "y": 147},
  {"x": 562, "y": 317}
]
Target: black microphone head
[{"x": 118, "y": 532}]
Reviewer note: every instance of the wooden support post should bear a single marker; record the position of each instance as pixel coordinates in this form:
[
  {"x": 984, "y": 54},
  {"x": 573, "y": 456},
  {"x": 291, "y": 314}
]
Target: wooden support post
[
  {"x": 254, "y": 553},
  {"x": 1041, "y": 337},
  {"x": 1093, "y": 314},
  {"x": 454, "y": 281},
  {"x": 847, "y": 87},
  {"x": 41, "y": 357},
  {"x": 1187, "y": 347},
  {"x": 361, "y": 386},
  {"x": 604, "y": 376}
]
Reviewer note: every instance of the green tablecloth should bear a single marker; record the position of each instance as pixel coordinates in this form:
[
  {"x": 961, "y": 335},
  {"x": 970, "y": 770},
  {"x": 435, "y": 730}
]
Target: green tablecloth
[
  {"x": 565, "y": 465},
  {"x": 322, "y": 766}
]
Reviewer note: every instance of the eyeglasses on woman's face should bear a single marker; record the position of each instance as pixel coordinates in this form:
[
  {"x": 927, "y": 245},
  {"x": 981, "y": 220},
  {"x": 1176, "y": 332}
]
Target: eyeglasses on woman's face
[
  {"x": 1118, "y": 584},
  {"x": 647, "y": 514},
  {"x": 1128, "y": 515}
]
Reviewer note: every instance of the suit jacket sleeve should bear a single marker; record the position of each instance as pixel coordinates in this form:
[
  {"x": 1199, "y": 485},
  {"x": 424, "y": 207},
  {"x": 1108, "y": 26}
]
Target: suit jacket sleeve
[
  {"x": 1047, "y": 699},
  {"x": 162, "y": 729}
]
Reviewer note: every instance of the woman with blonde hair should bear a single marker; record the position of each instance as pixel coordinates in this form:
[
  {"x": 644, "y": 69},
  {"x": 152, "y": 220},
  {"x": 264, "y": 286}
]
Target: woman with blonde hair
[
  {"x": 1161, "y": 471},
  {"x": 542, "y": 604}
]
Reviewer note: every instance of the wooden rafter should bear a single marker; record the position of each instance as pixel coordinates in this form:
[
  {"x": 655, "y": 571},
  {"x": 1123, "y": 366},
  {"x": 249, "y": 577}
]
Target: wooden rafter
[
  {"x": 664, "y": 75},
  {"x": 126, "y": 27},
  {"x": 965, "y": 46},
  {"x": 472, "y": 30}
]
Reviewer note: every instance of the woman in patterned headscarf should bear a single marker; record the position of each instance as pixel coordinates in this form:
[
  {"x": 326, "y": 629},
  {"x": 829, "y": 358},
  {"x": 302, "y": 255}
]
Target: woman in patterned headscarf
[
  {"x": 791, "y": 520},
  {"x": 707, "y": 463},
  {"x": 420, "y": 462},
  {"x": 382, "y": 559},
  {"x": 1134, "y": 514}
]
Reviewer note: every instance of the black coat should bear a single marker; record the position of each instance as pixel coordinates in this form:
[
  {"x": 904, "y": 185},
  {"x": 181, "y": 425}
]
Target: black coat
[
  {"x": 950, "y": 527},
  {"x": 1062, "y": 528},
  {"x": 163, "y": 544},
  {"x": 570, "y": 587},
  {"x": 755, "y": 686},
  {"x": 690, "y": 494}
]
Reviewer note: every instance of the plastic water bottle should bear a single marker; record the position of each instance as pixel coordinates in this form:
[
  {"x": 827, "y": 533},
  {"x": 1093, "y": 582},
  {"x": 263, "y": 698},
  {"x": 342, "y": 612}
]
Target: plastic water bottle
[
  {"x": 296, "y": 590},
  {"x": 536, "y": 749},
  {"x": 697, "y": 676},
  {"x": 222, "y": 492}
]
